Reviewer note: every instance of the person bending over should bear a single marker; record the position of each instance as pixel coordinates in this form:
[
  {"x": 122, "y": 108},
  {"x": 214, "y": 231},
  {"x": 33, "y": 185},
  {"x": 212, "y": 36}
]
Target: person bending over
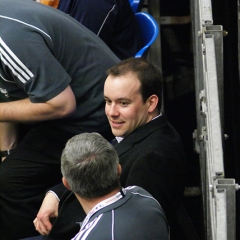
[{"x": 52, "y": 74}]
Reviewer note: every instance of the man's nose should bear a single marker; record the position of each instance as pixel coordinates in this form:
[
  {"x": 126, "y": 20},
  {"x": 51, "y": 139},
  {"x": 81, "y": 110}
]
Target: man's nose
[{"x": 112, "y": 110}]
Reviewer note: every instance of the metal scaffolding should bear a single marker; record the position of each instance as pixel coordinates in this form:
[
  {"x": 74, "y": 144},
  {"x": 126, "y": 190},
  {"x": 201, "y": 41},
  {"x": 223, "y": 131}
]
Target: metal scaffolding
[{"x": 218, "y": 192}]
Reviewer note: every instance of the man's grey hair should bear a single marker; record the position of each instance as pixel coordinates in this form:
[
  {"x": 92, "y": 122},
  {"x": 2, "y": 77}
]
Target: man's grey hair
[{"x": 90, "y": 165}]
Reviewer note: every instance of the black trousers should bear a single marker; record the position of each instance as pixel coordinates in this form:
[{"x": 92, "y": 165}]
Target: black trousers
[{"x": 25, "y": 175}]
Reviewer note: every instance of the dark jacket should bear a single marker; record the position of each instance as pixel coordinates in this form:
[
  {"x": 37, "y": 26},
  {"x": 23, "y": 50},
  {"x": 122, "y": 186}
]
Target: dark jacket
[{"x": 152, "y": 157}]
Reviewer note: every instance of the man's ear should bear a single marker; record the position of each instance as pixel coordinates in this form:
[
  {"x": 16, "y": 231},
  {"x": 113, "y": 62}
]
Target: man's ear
[
  {"x": 65, "y": 183},
  {"x": 152, "y": 102},
  {"x": 119, "y": 170}
]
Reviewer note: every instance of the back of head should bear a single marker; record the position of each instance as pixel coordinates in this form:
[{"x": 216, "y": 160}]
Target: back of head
[
  {"x": 90, "y": 165},
  {"x": 149, "y": 75}
]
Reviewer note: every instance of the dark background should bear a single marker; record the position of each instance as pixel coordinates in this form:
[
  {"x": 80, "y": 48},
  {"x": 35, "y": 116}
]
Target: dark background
[{"x": 179, "y": 93}]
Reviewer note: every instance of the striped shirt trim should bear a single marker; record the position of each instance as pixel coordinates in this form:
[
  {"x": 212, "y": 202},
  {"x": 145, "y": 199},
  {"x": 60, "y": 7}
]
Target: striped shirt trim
[
  {"x": 14, "y": 63},
  {"x": 7, "y": 56},
  {"x": 83, "y": 234},
  {"x": 113, "y": 221}
]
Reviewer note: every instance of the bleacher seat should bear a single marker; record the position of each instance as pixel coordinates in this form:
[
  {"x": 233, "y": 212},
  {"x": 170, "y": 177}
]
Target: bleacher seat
[{"x": 149, "y": 32}]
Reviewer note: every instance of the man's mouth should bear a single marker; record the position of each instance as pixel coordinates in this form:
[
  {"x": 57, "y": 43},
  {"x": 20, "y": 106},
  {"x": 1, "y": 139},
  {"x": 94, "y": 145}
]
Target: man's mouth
[{"x": 116, "y": 123}]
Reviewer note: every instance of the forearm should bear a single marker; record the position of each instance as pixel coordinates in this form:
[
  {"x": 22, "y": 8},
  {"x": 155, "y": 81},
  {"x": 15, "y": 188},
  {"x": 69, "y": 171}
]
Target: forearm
[
  {"x": 26, "y": 111},
  {"x": 48, "y": 210}
]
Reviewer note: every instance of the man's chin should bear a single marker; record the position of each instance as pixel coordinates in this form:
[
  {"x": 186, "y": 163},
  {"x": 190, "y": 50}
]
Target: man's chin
[{"x": 117, "y": 133}]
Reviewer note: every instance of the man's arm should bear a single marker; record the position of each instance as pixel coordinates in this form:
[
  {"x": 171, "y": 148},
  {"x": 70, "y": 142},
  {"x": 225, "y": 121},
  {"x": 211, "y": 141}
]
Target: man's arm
[
  {"x": 48, "y": 210},
  {"x": 25, "y": 111},
  {"x": 50, "y": 207}
]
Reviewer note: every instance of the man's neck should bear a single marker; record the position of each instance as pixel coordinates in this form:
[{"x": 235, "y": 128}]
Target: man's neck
[
  {"x": 89, "y": 203},
  {"x": 154, "y": 115}
]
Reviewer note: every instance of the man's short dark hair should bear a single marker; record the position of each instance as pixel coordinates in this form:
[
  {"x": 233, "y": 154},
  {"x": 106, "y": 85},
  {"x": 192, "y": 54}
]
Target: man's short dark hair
[{"x": 149, "y": 75}]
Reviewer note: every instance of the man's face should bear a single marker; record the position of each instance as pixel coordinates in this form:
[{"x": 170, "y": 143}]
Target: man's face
[{"x": 124, "y": 107}]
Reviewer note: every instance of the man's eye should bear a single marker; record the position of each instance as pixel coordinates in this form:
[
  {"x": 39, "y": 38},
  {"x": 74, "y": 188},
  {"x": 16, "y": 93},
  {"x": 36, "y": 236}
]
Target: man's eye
[
  {"x": 107, "y": 101},
  {"x": 124, "y": 103}
]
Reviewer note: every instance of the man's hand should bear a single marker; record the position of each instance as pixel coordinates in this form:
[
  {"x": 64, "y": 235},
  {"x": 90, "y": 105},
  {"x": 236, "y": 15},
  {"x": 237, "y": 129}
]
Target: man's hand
[{"x": 48, "y": 209}]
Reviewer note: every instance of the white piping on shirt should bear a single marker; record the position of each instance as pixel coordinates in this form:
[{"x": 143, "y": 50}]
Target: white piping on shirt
[
  {"x": 16, "y": 20},
  {"x": 113, "y": 224},
  {"x": 105, "y": 19}
]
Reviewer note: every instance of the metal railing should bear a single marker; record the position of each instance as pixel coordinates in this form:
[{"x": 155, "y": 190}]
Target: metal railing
[{"x": 218, "y": 192}]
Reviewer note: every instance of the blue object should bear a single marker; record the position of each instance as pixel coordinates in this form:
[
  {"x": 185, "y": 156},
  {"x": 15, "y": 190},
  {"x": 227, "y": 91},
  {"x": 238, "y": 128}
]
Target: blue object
[
  {"x": 149, "y": 32},
  {"x": 136, "y": 5}
]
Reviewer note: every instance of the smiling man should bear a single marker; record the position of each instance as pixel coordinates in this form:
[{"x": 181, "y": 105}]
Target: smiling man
[
  {"x": 125, "y": 107},
  {"x": 150, "y": 150}
]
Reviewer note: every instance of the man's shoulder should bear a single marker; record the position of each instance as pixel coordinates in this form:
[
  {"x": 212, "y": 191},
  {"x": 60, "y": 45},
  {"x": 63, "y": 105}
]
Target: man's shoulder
[
  {"x": 154, "y": 131},
  {"x": 156, "y": 137},
  {"x": 140, "y": 197},
  {"x": 139, "y": 192}
]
